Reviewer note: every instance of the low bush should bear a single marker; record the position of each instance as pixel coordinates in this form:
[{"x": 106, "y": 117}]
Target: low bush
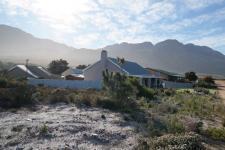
[
  {"x": 145, "y": 92},
  {"x": 201, "y": 90},
  {"x": 7, "y": 82},
  {"x": 192, "y": 125},
  {"x": 169, "y": 92},
  {"x": 199, "y": 105},
  {"x": 156, "y": 127},
  {"x": 3, "y": 82},
  {"x": 166, "y": 107},
  {"x": 16, "y": 97},
  {"x": 186, "y": 141},
  {"x": 43, "y": 130},
  {"x": 205, "y": 84},
  {"x": 119, "y": 88},
  {"x": 107, "y": 104},
  {"x": 174, "y": 125},
  {"x": 216, "y": 133}
]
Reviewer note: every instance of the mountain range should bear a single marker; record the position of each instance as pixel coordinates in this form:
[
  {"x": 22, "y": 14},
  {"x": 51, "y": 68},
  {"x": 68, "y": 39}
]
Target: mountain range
[{"x": 171, "y": 55}]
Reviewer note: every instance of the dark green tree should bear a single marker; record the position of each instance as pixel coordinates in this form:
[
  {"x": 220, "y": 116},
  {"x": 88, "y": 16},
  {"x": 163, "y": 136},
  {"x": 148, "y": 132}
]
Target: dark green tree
[
  {"x": 209, "y": 79},
  {"x": 81, "y": 66},
  {"x": 58, "y": 66},
  {"x": 191, "y": 76}
]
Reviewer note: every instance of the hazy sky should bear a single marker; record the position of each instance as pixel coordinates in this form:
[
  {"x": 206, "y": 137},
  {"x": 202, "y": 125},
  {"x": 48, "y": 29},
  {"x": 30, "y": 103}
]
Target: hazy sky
[{"x": 96, "y": 23}]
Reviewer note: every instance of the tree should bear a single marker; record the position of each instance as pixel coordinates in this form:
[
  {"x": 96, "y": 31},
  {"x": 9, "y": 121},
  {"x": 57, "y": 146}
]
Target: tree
[
  {"x": 191, "y": 76},
  {"x": 58, "y": 66},
  {"x": 209, "y": 80},
  {"x": 81, "y": 66}
]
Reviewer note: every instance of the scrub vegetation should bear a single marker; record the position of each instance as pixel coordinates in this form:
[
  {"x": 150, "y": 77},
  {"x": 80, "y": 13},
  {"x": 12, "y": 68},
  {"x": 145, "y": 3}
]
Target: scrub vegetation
[{"x": 166, "y": 118}]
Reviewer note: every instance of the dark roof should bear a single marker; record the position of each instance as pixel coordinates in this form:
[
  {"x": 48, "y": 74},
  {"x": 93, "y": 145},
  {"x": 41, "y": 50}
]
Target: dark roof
[
  {"x": 167, "y": 72},
  {"x": 40, "y": 72},
  {"x": 131, "y": 67},
  {"x": 34, "y": 71},
  {"x": 72, "y": 71}
]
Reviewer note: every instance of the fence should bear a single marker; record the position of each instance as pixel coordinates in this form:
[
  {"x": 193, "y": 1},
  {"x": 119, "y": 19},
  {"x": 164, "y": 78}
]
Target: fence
[
  {"x": 70, "y": 84},
  {"x": 170, "y": 84}
]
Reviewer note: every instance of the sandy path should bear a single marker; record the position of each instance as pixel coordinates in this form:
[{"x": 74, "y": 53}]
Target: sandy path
[
  {"x": 69, "y": 127},
  {"x": 221, "y": 89}
]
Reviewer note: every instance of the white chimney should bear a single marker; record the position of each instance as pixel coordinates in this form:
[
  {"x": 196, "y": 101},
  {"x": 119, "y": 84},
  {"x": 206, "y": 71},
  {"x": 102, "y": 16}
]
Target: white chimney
[{"x": 104, "y": 55}]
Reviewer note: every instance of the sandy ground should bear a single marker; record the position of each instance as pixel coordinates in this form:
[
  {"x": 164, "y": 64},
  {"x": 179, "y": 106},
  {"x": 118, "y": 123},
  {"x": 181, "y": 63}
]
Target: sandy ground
[
  {"x": 68, "y": 127},
  {"x": 221, "y": 89}
]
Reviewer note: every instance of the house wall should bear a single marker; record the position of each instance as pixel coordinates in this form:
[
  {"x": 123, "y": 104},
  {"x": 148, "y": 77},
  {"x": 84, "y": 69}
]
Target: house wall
[
  {"x": 95, "y": 71},
  {"x": 70, "y": 84},
  {"x": 170, "y": 84},
  {"x": 158, "y": 74}
]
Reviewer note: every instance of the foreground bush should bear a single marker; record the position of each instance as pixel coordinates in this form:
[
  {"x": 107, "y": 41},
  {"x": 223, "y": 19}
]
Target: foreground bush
[
  {"x": 216, "y": 133},
  {"x": 188, "y": 141},
  {"x": 16, "y": 97},
  {"x": 174, "y": 125},
  {"x": 6, "y": 82},
  {"x": 119, "y": 88},
  {"x": 205, "y": 83},
  {"x": 185, "y": 142}
]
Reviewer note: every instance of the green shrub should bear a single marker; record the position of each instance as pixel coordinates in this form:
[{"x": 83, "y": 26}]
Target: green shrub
[
  {"x": 3, "y": 82},
  {"x": 205, "y": 84},
  {"x": 209, "y": 79},
  {"x": 216, "y": 133},
  {"x": 174, "y": 125},
  {"x": 188, "y": 141},
  {"x": 146, "y": 92},
  {"x": 201, "y": 90},
  {"x": 107, "y": 104},
  {"x": 142, "y": 91},
  {"x": 44, "y": 130},
  {"x": 119, "y": 87},
  {"x": 166, "y": 107},
  {"x": 169, "y": 92},
  {"x": 156, "y": 127},
  {"x": 16, "y": 97}
]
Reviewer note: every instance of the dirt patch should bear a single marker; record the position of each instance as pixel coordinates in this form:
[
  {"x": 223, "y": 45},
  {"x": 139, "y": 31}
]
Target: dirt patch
[
  {"x": 65, "y": 127},
  {"x": 221, "y": 89}
]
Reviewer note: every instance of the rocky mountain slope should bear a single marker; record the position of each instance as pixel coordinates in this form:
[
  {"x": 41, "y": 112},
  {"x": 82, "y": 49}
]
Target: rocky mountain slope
[{"x": 17, "y": 45}]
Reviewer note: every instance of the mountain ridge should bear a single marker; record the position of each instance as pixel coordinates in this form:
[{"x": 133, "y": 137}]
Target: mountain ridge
[{"x": 169, "y": 54}]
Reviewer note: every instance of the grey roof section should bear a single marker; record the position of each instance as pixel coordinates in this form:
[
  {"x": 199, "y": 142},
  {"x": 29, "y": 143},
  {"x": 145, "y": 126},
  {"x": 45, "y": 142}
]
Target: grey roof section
[
  {"x": 72, "y": 71},
  {"x": 34, "y": 71},
  {"x": 131, "y": 67},
  {"x": 40, "y": 72},
  {"x": 167, "y": 72}
]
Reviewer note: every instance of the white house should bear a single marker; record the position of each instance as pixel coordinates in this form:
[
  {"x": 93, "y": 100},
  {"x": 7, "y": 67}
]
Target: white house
[
  {"x": 94, "y": 72},
  {"x": 73, "y": 74}
]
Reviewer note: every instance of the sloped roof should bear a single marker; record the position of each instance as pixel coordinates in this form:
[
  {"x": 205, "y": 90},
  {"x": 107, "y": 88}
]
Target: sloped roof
[
  {"x": 131, "y": 67},
  {"x": 34, "y": 71},
  {"x": 72, "y": 71},
  {"x": 40, "y": 72},
  {"x": 167, "y": 72}
]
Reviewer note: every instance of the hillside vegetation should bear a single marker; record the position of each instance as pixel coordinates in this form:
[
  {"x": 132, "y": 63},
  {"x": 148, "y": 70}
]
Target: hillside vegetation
[{"x": 162, "y": 118}]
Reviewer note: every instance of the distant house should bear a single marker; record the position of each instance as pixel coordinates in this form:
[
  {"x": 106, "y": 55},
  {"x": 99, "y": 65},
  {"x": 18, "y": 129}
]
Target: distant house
[
  {"x": 94, "y": 72},
  {"x": 30, "y": 71},
  {"x": 165, "y": 75},
  {"x": 73, "y": 74}
]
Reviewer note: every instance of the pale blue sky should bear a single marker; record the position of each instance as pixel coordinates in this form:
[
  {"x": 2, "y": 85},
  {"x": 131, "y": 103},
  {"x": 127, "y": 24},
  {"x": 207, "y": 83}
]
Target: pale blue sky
[{"x": 97, "y": 23}]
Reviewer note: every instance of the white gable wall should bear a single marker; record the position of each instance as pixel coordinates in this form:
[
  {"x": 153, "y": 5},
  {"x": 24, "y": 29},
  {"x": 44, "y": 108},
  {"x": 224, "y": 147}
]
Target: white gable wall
[{"x": 94, "y": 72}]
